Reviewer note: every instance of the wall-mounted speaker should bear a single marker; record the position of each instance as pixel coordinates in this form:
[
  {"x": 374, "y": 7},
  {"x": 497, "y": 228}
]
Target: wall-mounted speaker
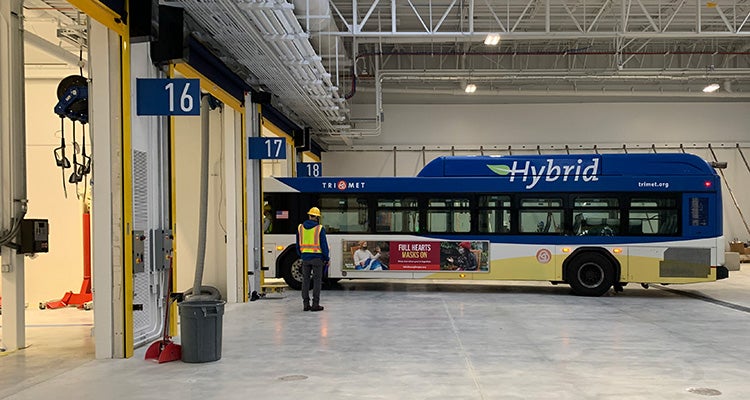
[
  {"x": 171, "y": 45},
  {"x": 261, "y": 97},
  {"x": 143, "y": 24}
]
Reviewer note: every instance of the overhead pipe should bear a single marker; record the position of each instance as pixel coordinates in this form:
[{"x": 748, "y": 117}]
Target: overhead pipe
[
  {"x": 378, "y": 120},
  {"x": 568, "y": 52},
  {"x": 452, "y": 37},
  {"x": 532, "y": 148},
  {"x": 478, "y": 74},
  {"x": 567, "y": 93},
  {"x": 318, "y": 18}
]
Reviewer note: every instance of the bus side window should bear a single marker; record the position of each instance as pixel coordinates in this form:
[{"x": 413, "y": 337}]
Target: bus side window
[
  {"x": 397, "y": 215},
  {"x": 344, "y": 214},
  {"x": 494, "y": 213},
  {"x": 596, "y": 216},
  {"x": 635, "y": 227},
  {"x": 655, "y": 216},
  {"x": 540, "y": 215}
]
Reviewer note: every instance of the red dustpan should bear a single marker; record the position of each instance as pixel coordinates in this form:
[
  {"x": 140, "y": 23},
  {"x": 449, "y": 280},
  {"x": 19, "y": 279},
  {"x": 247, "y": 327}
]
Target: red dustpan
[{"x": 165, "y": 350}]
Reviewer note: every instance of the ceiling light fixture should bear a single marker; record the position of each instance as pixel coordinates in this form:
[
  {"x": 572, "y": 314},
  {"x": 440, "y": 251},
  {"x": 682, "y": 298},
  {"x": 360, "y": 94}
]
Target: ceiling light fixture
[
  {"x": 711, "y": 88},
  {"x": 471, "y": 88},
  {"x": 492, "y": 39}
]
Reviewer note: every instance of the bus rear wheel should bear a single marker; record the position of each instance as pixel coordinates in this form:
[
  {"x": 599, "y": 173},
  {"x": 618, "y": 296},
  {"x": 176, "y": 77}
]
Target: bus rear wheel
[
  {"x": 291, "y": 271},
  {"x": 590, "y": 274}
]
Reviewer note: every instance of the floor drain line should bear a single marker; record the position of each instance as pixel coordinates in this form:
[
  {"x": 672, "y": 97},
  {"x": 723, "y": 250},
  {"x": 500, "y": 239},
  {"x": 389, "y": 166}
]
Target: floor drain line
[
  {"x": 289, "y": 378},
  {"x": 704, "y": 391},
  {"x": 705, "y": 298}
]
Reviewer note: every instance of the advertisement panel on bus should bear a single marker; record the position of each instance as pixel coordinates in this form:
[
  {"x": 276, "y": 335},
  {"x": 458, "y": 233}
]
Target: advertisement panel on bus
[{"x": 444, "y": 255}]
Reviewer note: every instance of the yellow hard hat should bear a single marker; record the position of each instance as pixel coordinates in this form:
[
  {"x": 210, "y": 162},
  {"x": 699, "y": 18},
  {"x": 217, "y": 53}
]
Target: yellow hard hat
[
  {"x": 314, "y": 211},
  {"x": 267, "y": 207}
]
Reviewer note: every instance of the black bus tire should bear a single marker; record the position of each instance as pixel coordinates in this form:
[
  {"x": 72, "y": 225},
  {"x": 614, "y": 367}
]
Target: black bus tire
[
  {"x": 291, "y": 271},
  {"x": 590, "y": 274}
]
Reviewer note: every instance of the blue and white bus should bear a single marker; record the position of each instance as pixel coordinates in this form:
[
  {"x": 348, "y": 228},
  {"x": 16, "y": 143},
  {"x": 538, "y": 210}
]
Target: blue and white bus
[{"x": 593, "y": 221}]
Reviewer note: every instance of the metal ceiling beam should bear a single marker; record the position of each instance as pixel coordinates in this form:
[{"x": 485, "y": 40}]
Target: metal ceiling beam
[
  {"x": 449, "y": 37},
  {"x": 531, "y": 20},
  {"x": 52, "y": 49}
]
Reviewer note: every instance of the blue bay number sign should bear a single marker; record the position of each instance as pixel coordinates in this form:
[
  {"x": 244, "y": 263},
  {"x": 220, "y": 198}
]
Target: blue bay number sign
[
  {"x": 265, "y": 148},
  {"x": 168, "y": 97},
  {"x": 309, "y": 169}
]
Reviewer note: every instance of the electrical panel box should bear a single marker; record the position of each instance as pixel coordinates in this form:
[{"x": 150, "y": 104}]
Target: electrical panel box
[
  {"x": 161, "y": 247},
  {"x": 33, "y": 236},
  {"x": 139, "y": 252}
]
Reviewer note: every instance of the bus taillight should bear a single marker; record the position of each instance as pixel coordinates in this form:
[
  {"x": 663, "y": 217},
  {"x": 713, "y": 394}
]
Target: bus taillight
[{"x": 707, "y": 184}]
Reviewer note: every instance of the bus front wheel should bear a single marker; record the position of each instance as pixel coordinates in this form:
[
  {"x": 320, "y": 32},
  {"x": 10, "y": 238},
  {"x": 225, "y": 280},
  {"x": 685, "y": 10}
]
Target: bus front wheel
[
  {"x": 590, "y": 274},
  {"x": 291, "y": 271}
]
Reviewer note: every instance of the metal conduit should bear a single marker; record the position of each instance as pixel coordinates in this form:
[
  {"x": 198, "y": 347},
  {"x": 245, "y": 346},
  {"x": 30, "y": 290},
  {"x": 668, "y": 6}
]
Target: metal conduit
[
  {"x": 595, "y": 148},
  {"x": 729, "y": 188},
  {"x": 743, "y": 157},
  {"x": 394, "y": 161}
]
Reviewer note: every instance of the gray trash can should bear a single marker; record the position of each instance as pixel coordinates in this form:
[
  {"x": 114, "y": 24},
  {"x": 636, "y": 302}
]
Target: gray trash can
[{"x": 201, "y": 330}]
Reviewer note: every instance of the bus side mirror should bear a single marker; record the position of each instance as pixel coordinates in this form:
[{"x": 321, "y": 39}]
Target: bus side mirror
[{"x": 719, "y": 164}]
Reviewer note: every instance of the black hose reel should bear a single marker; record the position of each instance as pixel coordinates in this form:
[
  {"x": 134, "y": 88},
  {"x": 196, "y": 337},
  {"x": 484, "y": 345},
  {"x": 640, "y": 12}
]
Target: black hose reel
[{"x": 73, "y": 103}]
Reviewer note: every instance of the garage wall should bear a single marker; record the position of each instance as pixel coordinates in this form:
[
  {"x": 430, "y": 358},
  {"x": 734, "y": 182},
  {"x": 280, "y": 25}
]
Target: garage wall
[{"x": 494, "y": 127}]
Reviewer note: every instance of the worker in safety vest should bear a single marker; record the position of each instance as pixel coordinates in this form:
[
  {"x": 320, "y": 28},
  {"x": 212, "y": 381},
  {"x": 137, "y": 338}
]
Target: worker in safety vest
[{"x": 312, "y": 247}]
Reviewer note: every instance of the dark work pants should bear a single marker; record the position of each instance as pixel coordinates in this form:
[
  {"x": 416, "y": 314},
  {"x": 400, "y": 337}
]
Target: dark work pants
[{"x": 314, "y": 266}]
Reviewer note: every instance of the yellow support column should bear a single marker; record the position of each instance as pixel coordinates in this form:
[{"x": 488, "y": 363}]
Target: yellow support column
[{"x": 127, "y": 203}]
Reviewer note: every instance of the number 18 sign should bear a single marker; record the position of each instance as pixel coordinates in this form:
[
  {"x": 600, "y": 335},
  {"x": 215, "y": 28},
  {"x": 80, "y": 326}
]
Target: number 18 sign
[{"x": 168, "y": 97}]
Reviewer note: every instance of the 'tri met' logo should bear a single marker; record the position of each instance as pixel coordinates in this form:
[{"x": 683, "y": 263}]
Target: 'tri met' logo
[{"x": 343, "y": 185}]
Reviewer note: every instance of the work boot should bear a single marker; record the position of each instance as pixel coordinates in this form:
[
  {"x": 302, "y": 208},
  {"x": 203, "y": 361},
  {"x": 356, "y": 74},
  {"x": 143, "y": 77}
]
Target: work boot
[
  {"x": 306, "y": 307},
  {"x": 316, "y": 308}
]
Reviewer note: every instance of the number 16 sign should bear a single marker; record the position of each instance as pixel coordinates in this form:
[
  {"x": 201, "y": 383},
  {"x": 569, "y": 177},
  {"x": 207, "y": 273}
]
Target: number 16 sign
[{"x": 168, "y": 96}]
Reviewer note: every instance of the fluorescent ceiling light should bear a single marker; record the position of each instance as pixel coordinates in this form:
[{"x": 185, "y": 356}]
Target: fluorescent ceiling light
[
  {"x": 471, "y": 88},
  {"x": 492, "y": 39},
  {"x": 711, "y": 88}
]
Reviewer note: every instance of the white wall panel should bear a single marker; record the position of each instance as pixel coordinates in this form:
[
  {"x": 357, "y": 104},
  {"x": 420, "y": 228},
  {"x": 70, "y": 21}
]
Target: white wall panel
[{"x": 559, "y": 123}]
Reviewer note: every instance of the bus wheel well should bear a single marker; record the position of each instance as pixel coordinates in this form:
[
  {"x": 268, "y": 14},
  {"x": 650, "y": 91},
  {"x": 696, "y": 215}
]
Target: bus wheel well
[
  {"x": 285, "y": 265},
  {"x": 591, "y": 271},
  {"x": 599, "y": 250}
]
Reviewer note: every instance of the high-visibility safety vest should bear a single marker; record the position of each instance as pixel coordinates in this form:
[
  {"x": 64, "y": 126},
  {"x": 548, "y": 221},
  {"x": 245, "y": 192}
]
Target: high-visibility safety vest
[{"x": 309, "y": 239}]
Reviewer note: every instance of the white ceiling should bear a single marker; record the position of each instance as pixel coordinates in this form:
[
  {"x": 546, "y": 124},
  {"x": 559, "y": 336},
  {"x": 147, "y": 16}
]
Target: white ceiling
[{"x": 426, "y": 51}]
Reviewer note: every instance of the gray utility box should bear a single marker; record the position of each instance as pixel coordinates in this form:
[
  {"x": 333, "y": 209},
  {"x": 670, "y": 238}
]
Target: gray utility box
[{"x": 33, "y": 236}]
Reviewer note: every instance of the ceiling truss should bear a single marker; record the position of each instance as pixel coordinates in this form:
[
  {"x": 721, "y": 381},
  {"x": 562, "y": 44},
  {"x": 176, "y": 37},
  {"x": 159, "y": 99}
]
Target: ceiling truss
[{"x": 320, "y": 56}]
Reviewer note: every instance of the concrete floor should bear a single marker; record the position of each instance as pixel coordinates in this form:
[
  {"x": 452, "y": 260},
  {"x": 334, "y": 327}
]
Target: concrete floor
[{"x": 428, "y": 340}]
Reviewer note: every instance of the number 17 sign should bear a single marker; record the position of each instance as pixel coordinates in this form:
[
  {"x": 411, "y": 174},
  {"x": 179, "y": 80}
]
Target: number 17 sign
[
  {"x": 168, "y": 96},
  {"x": 266, "y": 148}
]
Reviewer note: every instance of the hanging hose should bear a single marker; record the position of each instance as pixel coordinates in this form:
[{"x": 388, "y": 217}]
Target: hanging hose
[
  {"x": 200, "y": 292},
  {"x": 61, "y": 160},
  {"x": 734, "y": 199}
]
